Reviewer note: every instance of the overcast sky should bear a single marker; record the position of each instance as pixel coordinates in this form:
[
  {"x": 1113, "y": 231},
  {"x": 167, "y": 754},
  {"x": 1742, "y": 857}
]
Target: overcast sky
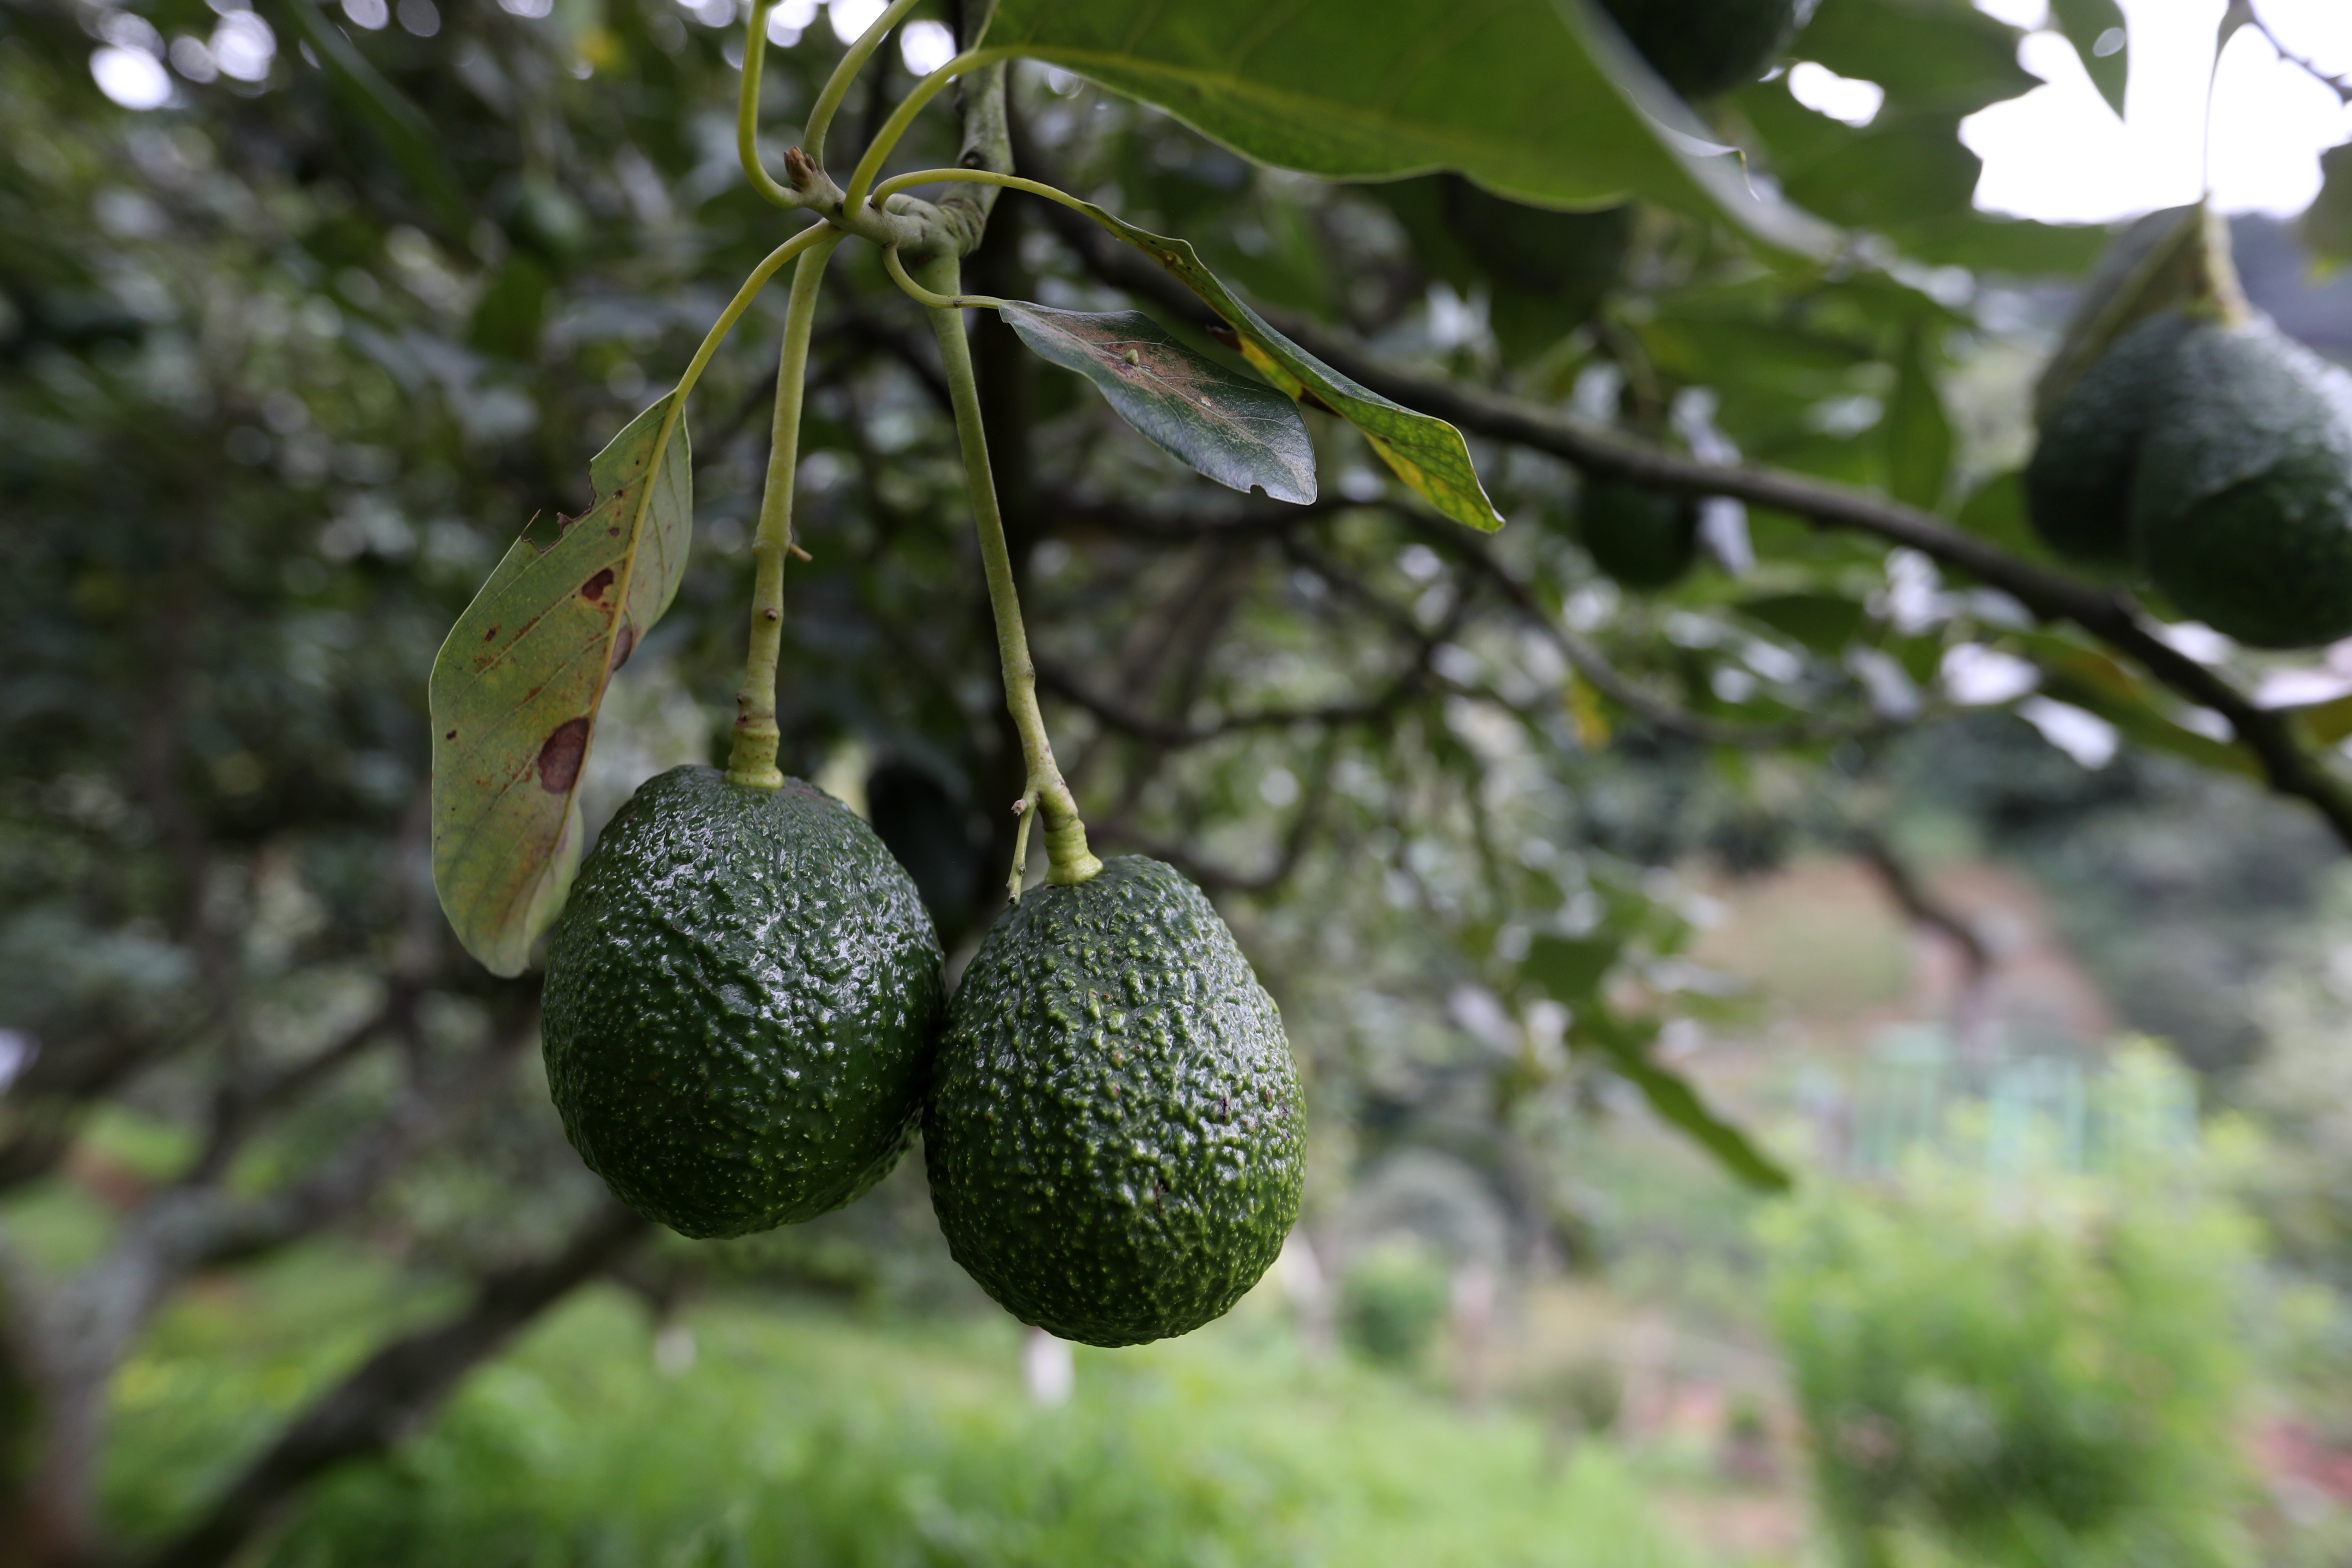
[{"x": 2060, "y": 154}]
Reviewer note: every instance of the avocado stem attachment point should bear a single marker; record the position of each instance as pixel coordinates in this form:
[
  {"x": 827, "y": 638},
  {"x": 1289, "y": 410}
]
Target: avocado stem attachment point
[
  {"x": 753, "y": 761},
  {"x": 1068, "y": 861}
]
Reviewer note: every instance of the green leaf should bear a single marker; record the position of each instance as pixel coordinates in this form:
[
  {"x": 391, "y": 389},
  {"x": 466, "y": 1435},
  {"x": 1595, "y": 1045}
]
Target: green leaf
[
  {"x": 2326, "y": 225},
  {"x": 1918, "y": 432},
  {"x": 1902, "y": 169},
  {"x": 516, "y": 687},
  {"x": 1567, "y": 968},
  {"x": 1626, "y": 1044},
  {"x": 1823, "y": 623},
  {"x": 1534, "y": 100},
  {"x": 1995, "y": 511},
  {"x": 1927, "y": 53},
  {"x": 2093, "y": 680},
  {"x": 1232, "y": 427},
  {"x": 2087, "y": 23},
  {"x": 1425, "y": 452}
]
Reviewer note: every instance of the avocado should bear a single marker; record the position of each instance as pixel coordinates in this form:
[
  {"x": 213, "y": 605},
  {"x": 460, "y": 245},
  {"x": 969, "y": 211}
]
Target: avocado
[
  {"x": 743, "y": 997},
  {"x": 1642, "y": 539},
  {"x": 1115, "y": 1135},
  {"x": 1705, "y": 47},
  {"x": 2078, "y": 484},
  {"x": 2242, "y": 502}
]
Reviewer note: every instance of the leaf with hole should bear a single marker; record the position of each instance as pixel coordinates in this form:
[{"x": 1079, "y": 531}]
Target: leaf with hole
[
  {"x": 1232, "y": 427},
  {"x": 1425, "y": 452},
  {"x": 1540, "y": 101},
  {"x": 516, "y": 687},
  {"x": 2088, "y": 25}
]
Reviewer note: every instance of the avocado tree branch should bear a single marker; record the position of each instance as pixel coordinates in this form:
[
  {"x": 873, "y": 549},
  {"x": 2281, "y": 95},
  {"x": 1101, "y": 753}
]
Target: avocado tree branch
[
  {"x": 2287, "y": 766},
  {"x": 396, "y": 1388}
]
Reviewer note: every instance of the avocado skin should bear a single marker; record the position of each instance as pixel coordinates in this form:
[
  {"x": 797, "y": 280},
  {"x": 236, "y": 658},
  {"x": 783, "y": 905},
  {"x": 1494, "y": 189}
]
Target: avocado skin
[
  {"x": 1705, "y": 47},
  {"x": 743, "y": 997},
  {"x": 1642, "y": 539},
  {"x": 2242, "y": 500},
  {"x": 1115, "y": 1135},
  {"x": 2078, "y": 484}
]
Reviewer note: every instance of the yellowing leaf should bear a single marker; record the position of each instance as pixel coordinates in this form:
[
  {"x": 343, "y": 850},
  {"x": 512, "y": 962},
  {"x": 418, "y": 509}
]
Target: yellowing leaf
[
  {"x": 1424, "y": 451},
  {"x": 516, "y": 687}
]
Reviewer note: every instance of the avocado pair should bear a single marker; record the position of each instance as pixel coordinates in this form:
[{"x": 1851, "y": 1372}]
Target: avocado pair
[
  {"x": 2215, "y": 457},
  {"x": 745, "y": 1020}
]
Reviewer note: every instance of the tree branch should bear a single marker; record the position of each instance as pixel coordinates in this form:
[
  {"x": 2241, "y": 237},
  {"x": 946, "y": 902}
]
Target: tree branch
[
  {"x": 2114, "y": 618},
  {"x": 397, "y": 1389}
]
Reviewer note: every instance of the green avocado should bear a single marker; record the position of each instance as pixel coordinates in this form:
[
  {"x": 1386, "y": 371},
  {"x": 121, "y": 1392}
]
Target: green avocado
[
  {"x": 743, "y": 997},
  {"x": 2078, "y": 484},
  {"x": 2242, "y": 500},
  {"x": 1115, "y": 1135},
  {"x": 1642, "y": 539},
  {"x": 1705, "y": 47}
]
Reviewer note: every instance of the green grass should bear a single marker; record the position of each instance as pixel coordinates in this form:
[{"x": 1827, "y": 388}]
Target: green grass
[{"x": 807, "y": 1436}]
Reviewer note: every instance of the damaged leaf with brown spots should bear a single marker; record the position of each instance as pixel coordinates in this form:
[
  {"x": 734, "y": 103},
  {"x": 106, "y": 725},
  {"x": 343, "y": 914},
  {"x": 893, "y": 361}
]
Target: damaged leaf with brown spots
[
  {"x": 1423, "y": 450},
  {"x": 1231, "y": 426},
  {"x": 516, "y": 687}
]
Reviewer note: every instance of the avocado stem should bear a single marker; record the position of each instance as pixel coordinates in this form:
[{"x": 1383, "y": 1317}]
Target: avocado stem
[
  {"x": 753, "y": 761},
  {"x": 1068, "y": 858}
]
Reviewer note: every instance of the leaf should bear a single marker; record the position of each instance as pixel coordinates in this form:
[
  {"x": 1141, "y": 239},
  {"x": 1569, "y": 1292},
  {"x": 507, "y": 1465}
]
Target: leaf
[
  {"x": 1674, "y": 1101},
  {"x": 1918, "y": 432},
  {"x": 2325, "y": 724},
  {"x": 1534, "y": 99},
  {"x": 1995, "y": 511},
  {"x": 1234, "y": 428},
  {"x": 516, "y": 687},
  {"x": 2086, "y": 24},
  {"x": 2326, "y": 225},
  {"x": 1823, "y": 623},
  {"x": 1425, "y": 452},
  {"x": 2095, "y": 682},
  {"x": 1567, "y": 968},
  {"x": 1951, "y": 59}
]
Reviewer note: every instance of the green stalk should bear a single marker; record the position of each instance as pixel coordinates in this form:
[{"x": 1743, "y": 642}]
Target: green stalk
[
  {"x": 1068, "y": 858},
  {"x": 747, "y": 110},
  {"x": 836, "y": 86},
  {"x": 753, "y": 761},
  {"x": 768, "y": 267},
  {"x": 869, "y": 167}
]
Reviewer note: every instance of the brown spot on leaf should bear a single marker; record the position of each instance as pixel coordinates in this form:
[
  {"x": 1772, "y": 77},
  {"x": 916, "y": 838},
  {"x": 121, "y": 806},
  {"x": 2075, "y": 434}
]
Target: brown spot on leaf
[
  {"x": 594, "y": 587},
  {"x": 624, "y": 643},
  {"x": 490, "y": 634},
  {"x": 450, "y": 736},
  {"x": 560, "y": 758}
]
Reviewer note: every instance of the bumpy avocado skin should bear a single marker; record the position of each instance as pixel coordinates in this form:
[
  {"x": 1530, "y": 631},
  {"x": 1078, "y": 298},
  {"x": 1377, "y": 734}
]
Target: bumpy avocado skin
[
  {"x": 1115, "y": 1135},
  {"x": 1642, "y": 539},
  {"x": 1704, "y": 48},
  {"x": 2078, "y": 485},
  {"x": 743, "y": 998},
  {"x": 2242, "y": 500}
]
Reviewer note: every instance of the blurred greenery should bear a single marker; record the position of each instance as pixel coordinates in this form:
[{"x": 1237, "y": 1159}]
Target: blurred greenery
[
  {"x": 2022, "y": 1363},
  {"x": 798, "y": 1435}
]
